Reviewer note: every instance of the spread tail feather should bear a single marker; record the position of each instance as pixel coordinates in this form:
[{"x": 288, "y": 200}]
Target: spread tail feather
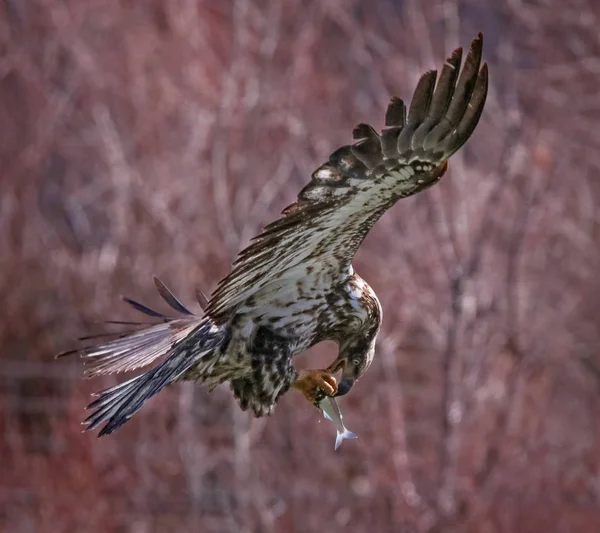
[
  {"x": 135, "y": 348},
  {"x": 190, "y": 341},
  {"x": 118, "y": 404},
  {"x": 141, "y": 346}
]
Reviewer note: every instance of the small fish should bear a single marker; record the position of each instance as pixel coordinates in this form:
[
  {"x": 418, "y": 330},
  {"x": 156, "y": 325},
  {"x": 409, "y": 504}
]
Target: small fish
[{"x": 332, "y": 412}]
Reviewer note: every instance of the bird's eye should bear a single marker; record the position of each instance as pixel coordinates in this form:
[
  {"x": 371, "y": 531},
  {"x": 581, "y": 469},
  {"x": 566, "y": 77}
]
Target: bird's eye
[{"x": 356, "y": 362}]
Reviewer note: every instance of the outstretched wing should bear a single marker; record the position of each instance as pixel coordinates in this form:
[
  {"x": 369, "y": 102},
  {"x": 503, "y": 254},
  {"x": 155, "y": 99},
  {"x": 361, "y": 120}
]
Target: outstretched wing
[{"x": 322, "y": 230}]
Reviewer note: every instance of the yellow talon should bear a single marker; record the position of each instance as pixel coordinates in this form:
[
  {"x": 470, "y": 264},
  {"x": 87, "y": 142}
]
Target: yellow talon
[{"x": 316, "y": 384}]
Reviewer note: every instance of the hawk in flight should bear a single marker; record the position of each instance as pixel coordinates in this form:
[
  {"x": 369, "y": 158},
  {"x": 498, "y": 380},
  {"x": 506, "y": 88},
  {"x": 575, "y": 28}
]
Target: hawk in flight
[{"x": 294, "y": 285}]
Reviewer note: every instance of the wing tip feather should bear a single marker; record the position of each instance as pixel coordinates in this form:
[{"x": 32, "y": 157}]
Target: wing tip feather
[{"x": 396, "y": 112}]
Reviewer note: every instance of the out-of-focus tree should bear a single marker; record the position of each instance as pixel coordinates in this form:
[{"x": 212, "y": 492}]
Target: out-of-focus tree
[{"x": 141, "y": 138}]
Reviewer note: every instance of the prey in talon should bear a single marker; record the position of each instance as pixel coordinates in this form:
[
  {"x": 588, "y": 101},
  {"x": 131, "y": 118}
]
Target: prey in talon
[{"x": 331, "y": 411}]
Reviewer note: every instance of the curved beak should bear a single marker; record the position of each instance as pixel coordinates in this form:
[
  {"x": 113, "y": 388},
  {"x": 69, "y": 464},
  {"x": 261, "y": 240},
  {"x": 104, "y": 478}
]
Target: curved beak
[
  {"x": 344, "y": 386},
  {"x": 347, "y": 380}
]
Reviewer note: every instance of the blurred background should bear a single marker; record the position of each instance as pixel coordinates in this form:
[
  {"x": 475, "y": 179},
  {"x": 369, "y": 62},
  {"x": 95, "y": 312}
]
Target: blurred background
[{"x": 141, "y": 138}]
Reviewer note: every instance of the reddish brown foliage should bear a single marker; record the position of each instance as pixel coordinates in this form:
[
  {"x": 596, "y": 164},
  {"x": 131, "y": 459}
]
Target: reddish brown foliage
[{"x": 141, "y": 138}]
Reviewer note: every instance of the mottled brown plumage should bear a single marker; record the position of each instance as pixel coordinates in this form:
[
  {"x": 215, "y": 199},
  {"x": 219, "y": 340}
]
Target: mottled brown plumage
[{"x": 294, "y": 285}]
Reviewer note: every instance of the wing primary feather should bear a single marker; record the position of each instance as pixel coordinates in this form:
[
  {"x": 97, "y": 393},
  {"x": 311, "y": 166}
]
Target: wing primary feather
[
  {"x": 441, "y": 98},
  {"x": 466, "y": 83},
  {"x": 395, "y": 119},
  {"x": 471, "y": 117},
  {"x": 368, "y": 147},
  {"x": 369, "y": 152},
  {"x": 170, "y": 298},
  {"x": 419, "y": 107},
  {"x": 421, "y": 100},
  {"x": 389, "y": 142},
  {"x": 364, "y": 131},
  {"x": 445, "y": 87},
  {"x": 395, "y": 116},
  {"x": 460, "y": 99}
]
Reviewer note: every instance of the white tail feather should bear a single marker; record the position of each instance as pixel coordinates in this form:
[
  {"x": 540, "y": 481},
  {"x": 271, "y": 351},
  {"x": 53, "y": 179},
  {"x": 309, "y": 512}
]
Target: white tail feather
[{"x": 137, "y": 349}]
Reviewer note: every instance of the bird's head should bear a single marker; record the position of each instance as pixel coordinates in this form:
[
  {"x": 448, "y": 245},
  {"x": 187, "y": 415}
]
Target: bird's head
[{"x": 355, "y": 357}]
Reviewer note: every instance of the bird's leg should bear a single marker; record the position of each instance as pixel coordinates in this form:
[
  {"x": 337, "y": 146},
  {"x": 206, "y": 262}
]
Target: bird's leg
[{"x": 316, "y": 385}]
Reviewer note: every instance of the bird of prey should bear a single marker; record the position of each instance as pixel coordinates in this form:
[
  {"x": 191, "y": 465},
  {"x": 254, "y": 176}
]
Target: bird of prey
[{"x": 294, "y": 285}]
